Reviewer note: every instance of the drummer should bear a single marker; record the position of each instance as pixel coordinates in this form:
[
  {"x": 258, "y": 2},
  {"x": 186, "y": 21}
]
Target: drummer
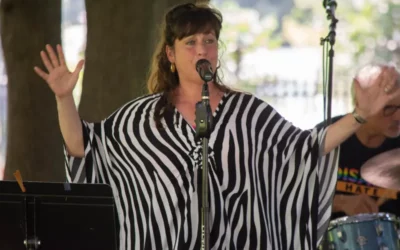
[{"x": 378, "y": 134}]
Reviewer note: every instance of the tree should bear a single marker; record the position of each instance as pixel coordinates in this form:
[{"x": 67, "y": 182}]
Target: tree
[
  {"x": 119, "y": 46},
  {"x": 34, "y": 144},
  {"x": 120, "y": 41}
]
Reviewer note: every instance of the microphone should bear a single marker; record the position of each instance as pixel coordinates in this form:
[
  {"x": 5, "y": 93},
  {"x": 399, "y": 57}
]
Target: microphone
[
  {"x": 204, "y": 69},
  {"x": 330, "y": 6}
]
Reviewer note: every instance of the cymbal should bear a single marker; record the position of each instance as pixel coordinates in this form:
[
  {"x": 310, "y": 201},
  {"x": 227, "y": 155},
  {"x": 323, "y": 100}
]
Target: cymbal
[{"x": 383, "y": 170}]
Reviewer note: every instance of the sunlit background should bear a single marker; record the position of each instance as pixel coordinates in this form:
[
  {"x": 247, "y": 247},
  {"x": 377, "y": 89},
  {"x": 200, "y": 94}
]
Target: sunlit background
[{"x": 272, "y": 48}]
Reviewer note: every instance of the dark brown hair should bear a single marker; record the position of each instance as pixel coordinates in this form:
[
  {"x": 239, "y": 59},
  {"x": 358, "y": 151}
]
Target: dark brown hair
[{"x": 179, "y": 22}]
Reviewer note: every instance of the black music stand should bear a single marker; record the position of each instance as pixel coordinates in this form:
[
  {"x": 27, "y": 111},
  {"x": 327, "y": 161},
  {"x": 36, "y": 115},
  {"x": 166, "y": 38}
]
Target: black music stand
[{"x": 57, "y": 216}]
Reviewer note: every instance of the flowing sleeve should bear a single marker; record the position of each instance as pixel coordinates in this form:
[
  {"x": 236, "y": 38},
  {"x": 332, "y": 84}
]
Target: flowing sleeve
[
  {"x": 301, "y": 181},
  {"x": 326, "y": 168},
  {"x": 92, "y": 167},
  {"x": 105, "y": 142}
]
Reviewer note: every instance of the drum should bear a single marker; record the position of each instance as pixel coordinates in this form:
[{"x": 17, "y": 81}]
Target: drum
[{"x": 378, "y": 231}]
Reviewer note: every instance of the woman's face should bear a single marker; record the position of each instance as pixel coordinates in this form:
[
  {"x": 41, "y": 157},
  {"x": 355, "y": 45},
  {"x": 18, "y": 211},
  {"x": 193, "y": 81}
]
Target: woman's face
[{"x": 189, "y": 50}]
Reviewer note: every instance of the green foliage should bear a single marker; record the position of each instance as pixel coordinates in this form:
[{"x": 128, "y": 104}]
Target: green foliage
[
  {"x": 367, "y": 31},
  {"x": 303, "y": 16}
]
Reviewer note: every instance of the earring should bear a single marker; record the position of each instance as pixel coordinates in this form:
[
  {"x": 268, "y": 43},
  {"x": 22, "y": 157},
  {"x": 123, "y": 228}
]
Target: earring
[{"x": 173, "y": 68}]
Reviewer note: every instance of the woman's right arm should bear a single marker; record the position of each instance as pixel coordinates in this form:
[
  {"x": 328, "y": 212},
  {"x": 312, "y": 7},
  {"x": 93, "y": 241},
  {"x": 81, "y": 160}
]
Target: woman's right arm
[
  {"x": 62, "y": 82},
  {"x": 71, "y": 126}
]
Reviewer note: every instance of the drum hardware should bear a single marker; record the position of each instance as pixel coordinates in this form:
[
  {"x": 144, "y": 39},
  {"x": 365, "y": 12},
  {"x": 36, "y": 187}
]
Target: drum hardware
[
  {"x": 361, "y": 240},
  {"x": 379, "y": 229},
  {"x": 341, "y": 235}
]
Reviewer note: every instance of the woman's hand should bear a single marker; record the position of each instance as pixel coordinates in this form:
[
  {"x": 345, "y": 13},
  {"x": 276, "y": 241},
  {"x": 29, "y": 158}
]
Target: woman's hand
[{"x": 59, "y": 78}]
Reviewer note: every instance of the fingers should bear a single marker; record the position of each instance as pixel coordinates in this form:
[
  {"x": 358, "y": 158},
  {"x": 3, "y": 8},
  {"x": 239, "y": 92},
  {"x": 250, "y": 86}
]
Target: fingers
[
  {"x": 395, "y": 85},
  {"x": 41, "y": 73},
  {"x": 394, "y": 94},
  {"x": 50, "y": 59},
  {"x": 358, "y": 90},
  {"x": 60, "y": 55},
  {"x": 356, "y": 84},
  {"x": 389, "y": 80},
  {"x": 53, "y": 57},
  {"x": 46, "y": 61},
  {"x": 380, "y": 77},
  {"x": 369, "y": 76},
  {"x": 78, "y": 68}
]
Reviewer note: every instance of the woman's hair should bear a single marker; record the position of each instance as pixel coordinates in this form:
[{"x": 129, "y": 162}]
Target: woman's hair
[{"x": 179, "y": 22}]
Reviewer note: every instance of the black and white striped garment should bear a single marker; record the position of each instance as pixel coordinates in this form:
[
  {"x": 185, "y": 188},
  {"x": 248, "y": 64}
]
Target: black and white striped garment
[{"x": 269, "y": 186}]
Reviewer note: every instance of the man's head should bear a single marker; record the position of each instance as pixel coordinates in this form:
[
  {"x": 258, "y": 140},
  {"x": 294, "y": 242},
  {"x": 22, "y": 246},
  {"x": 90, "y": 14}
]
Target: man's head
[{"x": 387, "y": 121}]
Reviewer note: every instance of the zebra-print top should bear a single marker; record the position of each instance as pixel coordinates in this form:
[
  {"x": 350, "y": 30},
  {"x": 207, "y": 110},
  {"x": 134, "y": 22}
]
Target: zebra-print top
[{"x": 269, "y": 186}]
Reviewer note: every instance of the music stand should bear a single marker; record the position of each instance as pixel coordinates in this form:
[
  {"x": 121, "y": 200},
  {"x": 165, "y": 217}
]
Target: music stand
[{"x": 59, "y": 216}]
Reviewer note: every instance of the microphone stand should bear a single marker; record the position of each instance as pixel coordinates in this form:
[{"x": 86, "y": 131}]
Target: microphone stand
[
  {"x": 330, "y": 6},
  {"x": 203, "y": 130}
]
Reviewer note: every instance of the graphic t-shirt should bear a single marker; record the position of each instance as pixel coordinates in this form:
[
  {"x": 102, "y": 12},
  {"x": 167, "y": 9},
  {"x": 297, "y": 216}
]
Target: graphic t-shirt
[{"x": 353, "y": 154}]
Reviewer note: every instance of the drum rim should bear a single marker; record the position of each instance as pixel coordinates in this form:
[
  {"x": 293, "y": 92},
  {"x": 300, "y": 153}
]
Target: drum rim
[{"x": 358, "y": 218}]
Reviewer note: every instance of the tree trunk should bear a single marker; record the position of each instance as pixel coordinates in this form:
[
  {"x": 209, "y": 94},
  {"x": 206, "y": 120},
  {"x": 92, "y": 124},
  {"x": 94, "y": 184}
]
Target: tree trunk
[
  {"x": 159, "y": 10},
  {"x": 120, "y": 41},
  {"x": 117, "y": 55},
  {"x": 34, "y": 144}
]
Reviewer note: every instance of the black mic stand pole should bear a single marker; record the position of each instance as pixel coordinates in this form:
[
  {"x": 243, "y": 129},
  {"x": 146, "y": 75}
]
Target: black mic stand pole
[
  {"x": 203, "y": 130},
  {"x": 330, "y": 6}
]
